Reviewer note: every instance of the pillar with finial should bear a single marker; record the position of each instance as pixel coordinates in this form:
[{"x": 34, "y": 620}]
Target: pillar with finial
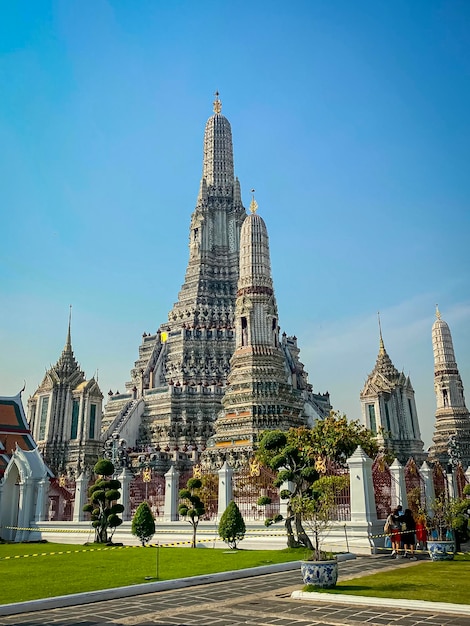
[{"x": 452, "y": 416}]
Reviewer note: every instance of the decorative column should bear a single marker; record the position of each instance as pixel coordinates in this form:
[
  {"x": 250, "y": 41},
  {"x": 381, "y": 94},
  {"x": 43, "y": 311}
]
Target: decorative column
[
  {"x": 170, "y": 513},
  {"x": 361, "y": 487},
  {"x": 398, "y": 487},
  {"x": 225, "y": 488},
  {"x": 126, "y": 477},
  {"x": 426, "y": 474},
  {"x": 81, "y": 494},
  {"x": 25, "y": 513},
  {"x": 42, "y": 493}
]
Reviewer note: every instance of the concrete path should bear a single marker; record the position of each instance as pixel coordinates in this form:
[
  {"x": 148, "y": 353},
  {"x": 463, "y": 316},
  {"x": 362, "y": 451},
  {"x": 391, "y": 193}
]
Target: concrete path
[{"x": 257, "y": 601}]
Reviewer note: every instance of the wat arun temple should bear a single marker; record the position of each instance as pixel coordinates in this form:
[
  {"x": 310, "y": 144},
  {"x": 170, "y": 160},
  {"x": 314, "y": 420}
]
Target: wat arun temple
[{"x": 219, "y": 371}]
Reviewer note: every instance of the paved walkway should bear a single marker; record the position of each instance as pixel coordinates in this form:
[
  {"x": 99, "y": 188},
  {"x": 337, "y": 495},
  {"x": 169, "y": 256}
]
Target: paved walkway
[{"x": 257, "y": 601}]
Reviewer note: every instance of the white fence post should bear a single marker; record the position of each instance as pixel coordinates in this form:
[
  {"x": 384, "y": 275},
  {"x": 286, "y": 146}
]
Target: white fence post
[
  {"x": 170, "y": 513},
  {"x": 225, "y": 488},
  {"x": 361, "y": 487},
  {"x": 426, "y": 474},
  {"x": 398, "y": 487},
  {"x": 81, "y": 485},
  {"x": 126, "y": 477}
]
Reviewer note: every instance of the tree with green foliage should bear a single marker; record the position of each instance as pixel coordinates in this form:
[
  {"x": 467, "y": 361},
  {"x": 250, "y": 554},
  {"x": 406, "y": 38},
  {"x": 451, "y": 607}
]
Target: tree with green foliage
[
  {"x": 102, "y": 504},
  {"x": 300, "y": 456},
  {"x": 192, "y": 505},
  {"x": 232, "y": 525},
  {"x": 316, "y": 509},
  {"x": 143, "y": 523}
]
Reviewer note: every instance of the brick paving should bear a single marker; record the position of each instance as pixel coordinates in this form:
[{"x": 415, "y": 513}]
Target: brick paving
[{"x": 258, "y": 601}]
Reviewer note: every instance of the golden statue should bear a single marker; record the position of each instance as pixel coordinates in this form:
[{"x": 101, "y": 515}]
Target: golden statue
[{"x": 255, "y": 467}]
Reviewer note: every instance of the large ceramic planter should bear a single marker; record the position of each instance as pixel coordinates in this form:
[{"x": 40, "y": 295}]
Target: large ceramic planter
[
  {"x": 320, "y": 573},
  {"x": 441, "y": 550}
]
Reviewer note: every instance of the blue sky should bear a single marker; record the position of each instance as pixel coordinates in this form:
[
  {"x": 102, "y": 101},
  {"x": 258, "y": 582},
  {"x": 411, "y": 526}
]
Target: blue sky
[{"x": 349, "y": 118}]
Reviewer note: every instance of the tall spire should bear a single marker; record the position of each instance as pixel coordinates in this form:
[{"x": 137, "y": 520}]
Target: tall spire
[
  {"x": 381, "y": 343},
  {"x": 67, "y": 363},
  {"x": 452, "y": 416},
  {"x": 255, "y": 264},
  {"x": 68, "y": 343},
  {"x": 259, "y": 395},
  {"x": 217, "y": 167},
  {"x": 389, "y": 408},
  {"x": 384, "y": 363}
]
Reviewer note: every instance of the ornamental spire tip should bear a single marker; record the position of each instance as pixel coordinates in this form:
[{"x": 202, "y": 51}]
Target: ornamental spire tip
[
  {"x": 381, "y": 344},
  {"x": 253, "y": 203},
  {"x": 68, "y": 342},
  {"x": 217, "y": 103},
  {"x": 438, "y": 313}
]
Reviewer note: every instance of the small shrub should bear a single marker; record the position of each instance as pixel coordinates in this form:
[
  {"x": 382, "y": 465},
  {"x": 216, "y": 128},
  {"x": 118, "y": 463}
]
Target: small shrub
[
  {"x": 232, "y": 525},
  {"x": 143, "y": 523}
]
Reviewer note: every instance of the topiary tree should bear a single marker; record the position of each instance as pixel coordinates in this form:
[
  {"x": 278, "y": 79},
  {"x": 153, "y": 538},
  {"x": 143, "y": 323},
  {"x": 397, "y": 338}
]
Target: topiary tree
[
  {"x": 269, "y": 521},
  {"x": 232, "y": 525},
  {"x": 300, "y": 456},
  {"x": 143, "y": 523},
  {"x": 192, "y": 507},
  {"x": 102, "y": 505},
  {"x": 316, "y": 509}
]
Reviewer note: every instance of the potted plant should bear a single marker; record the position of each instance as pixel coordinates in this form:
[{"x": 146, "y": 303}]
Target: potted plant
[
  {"x": 447, "y": 523},
  {"x": 315, "y": 509}
]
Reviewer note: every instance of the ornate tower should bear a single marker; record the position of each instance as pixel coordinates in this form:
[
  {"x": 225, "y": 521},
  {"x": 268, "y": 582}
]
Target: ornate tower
[
  {"x": 258, "y": 395},
  {"x": 389, "y": 409},
  {"x": 452, "y": 416},
  {"x": 177, "y": 383},
  {"x": 65, "y": 415}
]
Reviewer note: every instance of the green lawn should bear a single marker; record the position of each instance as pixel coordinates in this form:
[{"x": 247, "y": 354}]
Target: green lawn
[
  {"x": 445, "y": 581},
  {"x": 31, "y": 571}
]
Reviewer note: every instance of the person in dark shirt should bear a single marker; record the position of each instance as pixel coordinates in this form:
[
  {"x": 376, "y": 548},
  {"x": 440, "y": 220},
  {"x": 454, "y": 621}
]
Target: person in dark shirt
[{"x": 408, "y": 533}]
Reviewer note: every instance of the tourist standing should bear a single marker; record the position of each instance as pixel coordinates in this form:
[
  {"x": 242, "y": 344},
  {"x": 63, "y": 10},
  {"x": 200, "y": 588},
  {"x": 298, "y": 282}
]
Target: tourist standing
[
  {"x": 392, "y": 529},
  {"x": 408, "y": 533}
]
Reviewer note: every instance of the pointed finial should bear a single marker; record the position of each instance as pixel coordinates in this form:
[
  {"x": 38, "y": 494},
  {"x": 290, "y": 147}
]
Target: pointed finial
[
  {"x": 381, "y": 344},
  {"x": 253, "y": 203},
  {"x": 69, "y": 336},
  {"x": 438, "y": 313},
  {"x": 217, "y": 103}
]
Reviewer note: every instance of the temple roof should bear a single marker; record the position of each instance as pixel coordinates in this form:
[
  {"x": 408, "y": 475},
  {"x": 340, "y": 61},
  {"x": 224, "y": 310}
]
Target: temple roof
[
  {"x": 385, "y": 376},
  {"x": 384, "y": 364},
  {"x": 67, "y": 362},
  {"x": 65, "y": 371},
  {"x": 14, "y": 429}
]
